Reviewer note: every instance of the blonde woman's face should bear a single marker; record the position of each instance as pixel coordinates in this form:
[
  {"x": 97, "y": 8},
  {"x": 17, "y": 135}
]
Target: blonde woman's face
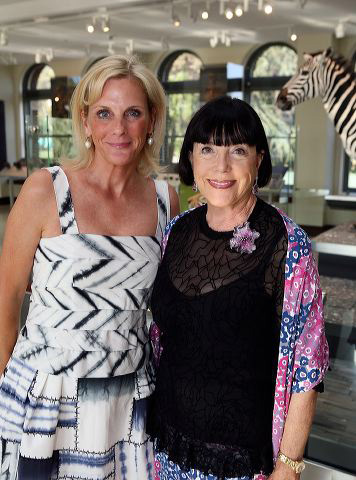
[{"x": 119, "y": 122}]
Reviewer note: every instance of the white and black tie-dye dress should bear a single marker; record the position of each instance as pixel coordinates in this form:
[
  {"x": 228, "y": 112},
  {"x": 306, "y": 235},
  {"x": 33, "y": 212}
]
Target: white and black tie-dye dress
[{"x": 73, "y": 395}]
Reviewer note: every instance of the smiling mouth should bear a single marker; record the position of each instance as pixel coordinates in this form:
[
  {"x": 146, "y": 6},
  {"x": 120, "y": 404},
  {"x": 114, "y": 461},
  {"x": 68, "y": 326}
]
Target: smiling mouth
[
  {"x": 221, "y": 184},
  {"x": 119, "y": 145}
]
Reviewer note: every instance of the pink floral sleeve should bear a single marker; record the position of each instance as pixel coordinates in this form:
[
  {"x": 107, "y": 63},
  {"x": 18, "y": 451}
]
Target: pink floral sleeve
[
  {"x": 303, "y": 349},
  {"x": 311, "y": 347}
]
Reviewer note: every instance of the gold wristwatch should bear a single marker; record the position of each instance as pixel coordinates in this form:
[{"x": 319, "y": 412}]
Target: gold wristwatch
[{"x": 296, "y": 465}]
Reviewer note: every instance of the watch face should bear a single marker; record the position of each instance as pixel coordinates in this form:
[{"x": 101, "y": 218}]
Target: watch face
[{"x": 300, "y": 467}]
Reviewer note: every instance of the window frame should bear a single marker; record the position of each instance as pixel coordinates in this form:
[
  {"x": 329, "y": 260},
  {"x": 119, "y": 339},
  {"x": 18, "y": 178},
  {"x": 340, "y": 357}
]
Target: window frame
[
  {"x": 31, "y": 92},
  {"x": 262, "y": 83},
  {"x": 174, "y": 87},
  {"x": 267, "y": 83}
]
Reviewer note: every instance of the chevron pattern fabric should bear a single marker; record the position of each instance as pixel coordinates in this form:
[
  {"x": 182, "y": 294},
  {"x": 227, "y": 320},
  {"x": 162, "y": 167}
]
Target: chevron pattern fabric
[{"x": 81, "y": 369}]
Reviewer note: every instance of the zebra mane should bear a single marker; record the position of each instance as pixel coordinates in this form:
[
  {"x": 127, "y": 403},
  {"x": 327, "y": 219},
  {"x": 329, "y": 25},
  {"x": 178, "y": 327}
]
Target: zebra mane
[{"x": 344, "y": 63}]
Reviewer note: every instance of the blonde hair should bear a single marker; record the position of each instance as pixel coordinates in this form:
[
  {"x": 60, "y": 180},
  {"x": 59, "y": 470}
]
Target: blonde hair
[{"x": 89, "y": 90}]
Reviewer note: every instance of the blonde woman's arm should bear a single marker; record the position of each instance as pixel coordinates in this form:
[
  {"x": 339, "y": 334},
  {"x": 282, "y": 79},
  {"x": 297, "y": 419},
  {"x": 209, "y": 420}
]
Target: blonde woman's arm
[{"x": 24, "y": 228}]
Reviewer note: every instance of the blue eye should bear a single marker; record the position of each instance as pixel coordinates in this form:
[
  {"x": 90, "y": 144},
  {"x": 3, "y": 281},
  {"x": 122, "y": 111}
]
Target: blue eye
[
  {"x": 133, "y": 113},
  {"x": 103, "y": 114}
]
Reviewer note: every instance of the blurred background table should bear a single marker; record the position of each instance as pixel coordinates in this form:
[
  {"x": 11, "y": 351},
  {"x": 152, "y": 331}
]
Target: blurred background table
[{"x": 11, "y": 176}]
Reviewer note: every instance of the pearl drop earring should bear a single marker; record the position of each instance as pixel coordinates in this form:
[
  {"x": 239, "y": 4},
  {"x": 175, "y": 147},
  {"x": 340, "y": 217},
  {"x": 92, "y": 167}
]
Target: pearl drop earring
[{"x": 87, "y": 143}]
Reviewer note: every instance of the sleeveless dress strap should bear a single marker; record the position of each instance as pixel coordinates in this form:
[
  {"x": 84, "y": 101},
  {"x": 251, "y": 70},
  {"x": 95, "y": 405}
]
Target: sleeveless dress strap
[
  {"x": 64, "y": 200},
  {"x": 163, "y": 207}
]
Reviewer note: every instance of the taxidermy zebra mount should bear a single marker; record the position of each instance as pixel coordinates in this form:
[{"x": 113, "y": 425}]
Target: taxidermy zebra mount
[{"x": 331, "y": 77}]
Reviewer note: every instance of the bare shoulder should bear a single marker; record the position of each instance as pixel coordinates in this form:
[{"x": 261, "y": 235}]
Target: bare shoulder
[
  {"x": 174, "y": 199},
  {"x": 38, "y": 186},
  {"x": 36, "y": 202}
]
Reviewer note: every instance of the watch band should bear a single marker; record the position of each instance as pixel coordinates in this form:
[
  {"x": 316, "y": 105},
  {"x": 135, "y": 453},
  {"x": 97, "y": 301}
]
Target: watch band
[{"x": 296, "y": 465}]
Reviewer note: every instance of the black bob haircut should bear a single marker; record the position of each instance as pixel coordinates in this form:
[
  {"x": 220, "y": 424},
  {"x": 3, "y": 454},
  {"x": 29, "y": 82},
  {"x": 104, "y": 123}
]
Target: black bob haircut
[{"x": 225, "y": 121}]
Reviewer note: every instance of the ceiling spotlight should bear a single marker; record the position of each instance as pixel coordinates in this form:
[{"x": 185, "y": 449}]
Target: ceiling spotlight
[
  {"x": 293, "y": 37},
  {"x": 239, "y": 11},
  {"x": 49, "y": 54},
  {"x": 268, "y": 9},
  {"x": 56, "y": 99},
  {"x": 90, "y": 28},
  {"x": 205, "y": 14},
  {"x": 38, "y": 56},
  {"x": 340, "y": 30},
  {"x": 105, "y": 26},
  {"x": 229, "y": 14},
  {"x": 111, "y": 50},
  {"x": 212, "y": 42},
  {"x": 176, "y": 21},
  {"x": 3, "y": 38},
  {"x": 129, "y": 47}
]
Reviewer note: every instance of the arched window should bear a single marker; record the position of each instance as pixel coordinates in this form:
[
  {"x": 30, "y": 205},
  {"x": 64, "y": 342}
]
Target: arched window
[
  {"x": 180, "y": 77},
  {"x": 48, "y": 134},
  {"x": 37, "y": 105},
  {"x": 349, "y": 183},
  {"x": 268, "y": 69},
  {"x": 37, "y": 93}
]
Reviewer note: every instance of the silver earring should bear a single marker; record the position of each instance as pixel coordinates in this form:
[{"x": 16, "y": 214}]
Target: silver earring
[
  {"x": 150, "y": 139},
  {"x": 255, "y": 187},
  {"x": 87, "y": 143},
  {"x": 194, "y": 187}
]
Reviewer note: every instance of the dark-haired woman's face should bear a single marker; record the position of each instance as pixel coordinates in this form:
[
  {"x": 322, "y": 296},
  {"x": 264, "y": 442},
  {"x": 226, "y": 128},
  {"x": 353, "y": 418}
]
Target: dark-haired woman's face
[{"x": 225, "y": 174}]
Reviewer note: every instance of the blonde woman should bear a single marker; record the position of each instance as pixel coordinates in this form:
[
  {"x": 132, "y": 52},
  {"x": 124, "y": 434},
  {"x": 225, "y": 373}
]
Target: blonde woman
[{"x": 75, "y": 381}]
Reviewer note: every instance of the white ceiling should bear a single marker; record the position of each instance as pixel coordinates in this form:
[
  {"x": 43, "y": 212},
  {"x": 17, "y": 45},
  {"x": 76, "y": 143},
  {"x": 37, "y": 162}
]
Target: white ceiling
[{"x": 60, "y": 25}]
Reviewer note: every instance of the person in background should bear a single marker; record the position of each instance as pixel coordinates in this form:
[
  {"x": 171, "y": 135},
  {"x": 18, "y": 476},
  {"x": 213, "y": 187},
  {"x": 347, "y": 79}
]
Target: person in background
[
  {"x": 75, "y": 382},
  {"x": 238, "y": 334}
]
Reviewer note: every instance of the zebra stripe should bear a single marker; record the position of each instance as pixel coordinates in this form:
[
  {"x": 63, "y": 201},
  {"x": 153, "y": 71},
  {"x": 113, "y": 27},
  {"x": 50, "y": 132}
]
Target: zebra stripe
[{"x": 328, "y": 76}]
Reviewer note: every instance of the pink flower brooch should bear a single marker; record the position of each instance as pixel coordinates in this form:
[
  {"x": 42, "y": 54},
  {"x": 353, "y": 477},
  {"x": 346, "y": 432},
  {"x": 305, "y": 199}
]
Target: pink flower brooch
[{"x": 243, "y": 239}]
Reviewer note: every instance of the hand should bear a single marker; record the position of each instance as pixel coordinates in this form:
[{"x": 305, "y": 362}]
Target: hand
[{"x": 283, "y": 472}]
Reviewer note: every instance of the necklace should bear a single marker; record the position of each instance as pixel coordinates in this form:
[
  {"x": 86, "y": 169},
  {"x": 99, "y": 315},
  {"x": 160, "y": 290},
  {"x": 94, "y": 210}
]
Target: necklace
[{"x": 243, "y": 237}]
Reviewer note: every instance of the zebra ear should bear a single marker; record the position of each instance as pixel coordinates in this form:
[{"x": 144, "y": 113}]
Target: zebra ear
[{"x": 307, "y": 57}]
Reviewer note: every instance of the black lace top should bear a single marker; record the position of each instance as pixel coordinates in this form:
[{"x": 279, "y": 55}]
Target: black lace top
[{"x": 219, "y": 316}]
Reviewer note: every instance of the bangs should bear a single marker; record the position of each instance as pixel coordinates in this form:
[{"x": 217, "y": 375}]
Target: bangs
[{"x": 224, "y": 130}]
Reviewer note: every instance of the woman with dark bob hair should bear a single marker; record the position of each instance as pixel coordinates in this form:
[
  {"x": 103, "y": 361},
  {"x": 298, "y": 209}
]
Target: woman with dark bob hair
[{"x": 239, "y": 336}]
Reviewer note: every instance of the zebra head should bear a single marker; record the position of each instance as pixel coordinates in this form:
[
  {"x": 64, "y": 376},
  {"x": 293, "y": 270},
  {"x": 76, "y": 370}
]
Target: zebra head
[{"x": 305, "y": 83}]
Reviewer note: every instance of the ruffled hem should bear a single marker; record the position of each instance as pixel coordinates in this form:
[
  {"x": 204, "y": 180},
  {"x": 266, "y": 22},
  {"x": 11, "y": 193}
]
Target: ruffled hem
[
  {"x": 223, "y": 461},
  {"x": 44, "y": 412}
]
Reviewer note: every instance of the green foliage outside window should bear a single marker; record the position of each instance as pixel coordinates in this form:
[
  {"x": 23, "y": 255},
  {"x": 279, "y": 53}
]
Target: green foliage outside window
[
  {"x": 276, "y": 61},
  {"x": 185, "y": 67},
  {"x": 181, "y": 107}
]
